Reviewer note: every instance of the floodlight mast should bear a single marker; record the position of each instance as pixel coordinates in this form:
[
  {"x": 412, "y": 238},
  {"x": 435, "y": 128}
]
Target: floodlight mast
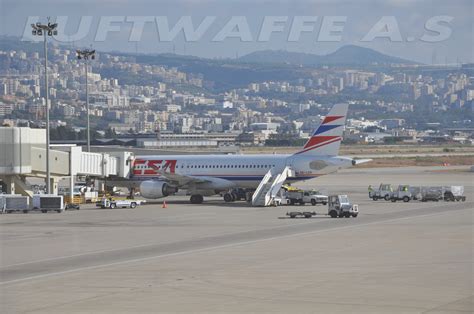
[
  {"x": 45, "y": 30},
  {"x": 87, "y": 54}
]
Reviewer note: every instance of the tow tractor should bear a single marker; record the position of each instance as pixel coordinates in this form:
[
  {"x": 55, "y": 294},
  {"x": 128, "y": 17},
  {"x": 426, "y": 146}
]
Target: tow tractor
[
  {"x": 338, "y": 206},
  {"x": 111, "y": 203},
  {"x": 403, "y": 193},
  {"x": 384, "y": 192}
]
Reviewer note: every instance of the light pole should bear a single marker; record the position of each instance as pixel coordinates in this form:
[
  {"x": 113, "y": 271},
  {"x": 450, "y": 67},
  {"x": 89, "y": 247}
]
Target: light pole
[
  {"x": 86, "y": 55},
  {"x": 46, "y": 30}
]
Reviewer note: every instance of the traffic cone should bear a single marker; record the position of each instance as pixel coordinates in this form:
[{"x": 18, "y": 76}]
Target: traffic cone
[{"x": 164, "y": 205}]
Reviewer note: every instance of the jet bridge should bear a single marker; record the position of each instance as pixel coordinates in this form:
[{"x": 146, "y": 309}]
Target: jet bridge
[{"x": 23, "y": 153}]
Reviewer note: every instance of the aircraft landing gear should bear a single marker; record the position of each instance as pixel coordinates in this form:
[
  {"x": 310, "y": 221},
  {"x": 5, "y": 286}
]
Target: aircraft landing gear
[
  {"x": 196, "y": 199},
  {"x": 228, "y": 197},
  {"x": 131, "y": 196},
  {"x": 238, "y": 194}
]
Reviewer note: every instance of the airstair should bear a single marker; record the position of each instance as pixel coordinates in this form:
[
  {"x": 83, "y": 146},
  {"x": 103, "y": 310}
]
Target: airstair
[{"x": 270, "y": 185}]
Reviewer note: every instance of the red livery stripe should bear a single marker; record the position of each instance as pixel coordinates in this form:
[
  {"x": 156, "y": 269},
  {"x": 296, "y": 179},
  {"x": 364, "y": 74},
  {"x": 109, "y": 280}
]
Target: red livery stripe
[
  {"x": 315, "y": 140},
  {"x": 331, "y": 118},
  {"x": 338, "y": 138}
]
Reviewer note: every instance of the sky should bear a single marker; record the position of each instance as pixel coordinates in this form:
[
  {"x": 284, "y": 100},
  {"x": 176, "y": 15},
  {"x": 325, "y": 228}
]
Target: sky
[{"x": 428, "y": 31}]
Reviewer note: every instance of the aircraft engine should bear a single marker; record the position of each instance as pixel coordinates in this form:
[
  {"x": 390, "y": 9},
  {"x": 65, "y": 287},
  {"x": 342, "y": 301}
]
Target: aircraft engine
[{"x": 156, "y": 189}]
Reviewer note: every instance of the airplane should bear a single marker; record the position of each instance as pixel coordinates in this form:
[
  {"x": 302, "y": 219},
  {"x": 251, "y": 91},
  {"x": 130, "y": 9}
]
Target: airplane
[{"x": 206, "y": 175}]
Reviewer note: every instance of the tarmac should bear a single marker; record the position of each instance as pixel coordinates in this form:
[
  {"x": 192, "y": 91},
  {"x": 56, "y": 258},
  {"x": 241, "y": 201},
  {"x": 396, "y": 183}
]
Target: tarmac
[{"x": 215, "y": 257}]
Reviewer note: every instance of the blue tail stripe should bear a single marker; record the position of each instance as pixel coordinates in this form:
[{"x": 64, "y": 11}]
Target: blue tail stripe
[{"x": 325, "y": 128}]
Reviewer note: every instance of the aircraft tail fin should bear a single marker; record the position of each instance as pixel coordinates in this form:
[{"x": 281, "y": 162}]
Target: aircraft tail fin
[{"x": 326, "y": 139}]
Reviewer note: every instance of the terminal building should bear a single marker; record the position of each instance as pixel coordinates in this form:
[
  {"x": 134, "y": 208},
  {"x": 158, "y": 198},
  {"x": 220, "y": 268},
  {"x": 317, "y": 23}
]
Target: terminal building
[
  {"x": 23, "y": 155},
  {"x": 171, "y": 140}
]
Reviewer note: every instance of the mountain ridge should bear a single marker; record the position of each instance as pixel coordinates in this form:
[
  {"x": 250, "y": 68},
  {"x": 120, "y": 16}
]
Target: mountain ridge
[{"x": 345, "y": 55}]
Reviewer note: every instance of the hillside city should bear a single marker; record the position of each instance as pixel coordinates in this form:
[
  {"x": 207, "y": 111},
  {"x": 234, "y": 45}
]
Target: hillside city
[{"x": 174, "y": 103}]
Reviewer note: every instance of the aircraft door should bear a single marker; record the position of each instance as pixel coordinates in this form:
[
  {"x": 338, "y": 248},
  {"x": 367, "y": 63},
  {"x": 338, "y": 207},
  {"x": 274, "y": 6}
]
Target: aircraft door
[{"x": 291, "y": 162}]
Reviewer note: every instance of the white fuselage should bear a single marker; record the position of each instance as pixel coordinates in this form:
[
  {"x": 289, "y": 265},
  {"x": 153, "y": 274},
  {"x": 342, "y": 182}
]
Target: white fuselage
[{"x": 244, "y": 171}]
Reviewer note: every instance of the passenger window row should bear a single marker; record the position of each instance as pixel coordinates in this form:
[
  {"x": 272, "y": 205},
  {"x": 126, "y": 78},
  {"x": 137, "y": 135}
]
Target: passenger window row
[
  {"x": 227, "y": 166},
  {"x": 214, "y": 166}
]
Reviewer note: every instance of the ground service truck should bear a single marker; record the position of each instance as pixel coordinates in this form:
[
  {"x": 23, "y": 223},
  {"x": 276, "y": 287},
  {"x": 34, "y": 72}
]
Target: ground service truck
[
  {"x": 302, "y": 197},
  {"x": 338, "y": 206}
]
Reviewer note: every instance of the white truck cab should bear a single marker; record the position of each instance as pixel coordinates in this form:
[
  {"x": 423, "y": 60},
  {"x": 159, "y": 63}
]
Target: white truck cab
[
  {"x": 302, "y": 197},
  {"x": 403, "y": 193},
  {"x": 384, "y": 192},
  {"x": 111, "y": 203},
  {"x": 340, "y": 206}
]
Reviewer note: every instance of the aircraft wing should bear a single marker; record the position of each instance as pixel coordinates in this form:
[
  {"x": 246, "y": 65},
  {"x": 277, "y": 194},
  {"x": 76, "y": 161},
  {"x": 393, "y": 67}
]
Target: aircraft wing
[
  {"x": 204, "y": 182},
  {"x": 180, "y": 179}
]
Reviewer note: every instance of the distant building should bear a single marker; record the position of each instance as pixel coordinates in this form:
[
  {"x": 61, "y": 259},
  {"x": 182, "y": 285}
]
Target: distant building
[
  {"x": 171, "y": 108},
  {"x": 392, "y": 123},
  {"x": 251, "y": 138},
  {"x": 121, "y": 127},
  {"x": 5, "y": 109},
  {"x": 68, "y": 110},
  {"x": 166, "y": 139},
  {"x": 264, "y": 126},
  {"x": 227, "y": 104},
  {"x": 109, "y": 100}
]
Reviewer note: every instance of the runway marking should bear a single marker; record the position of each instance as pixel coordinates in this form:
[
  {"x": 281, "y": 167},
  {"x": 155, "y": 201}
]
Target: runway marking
[
  {"x": 145, "y": 245},
  {"x": 216, "y": 248}
]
